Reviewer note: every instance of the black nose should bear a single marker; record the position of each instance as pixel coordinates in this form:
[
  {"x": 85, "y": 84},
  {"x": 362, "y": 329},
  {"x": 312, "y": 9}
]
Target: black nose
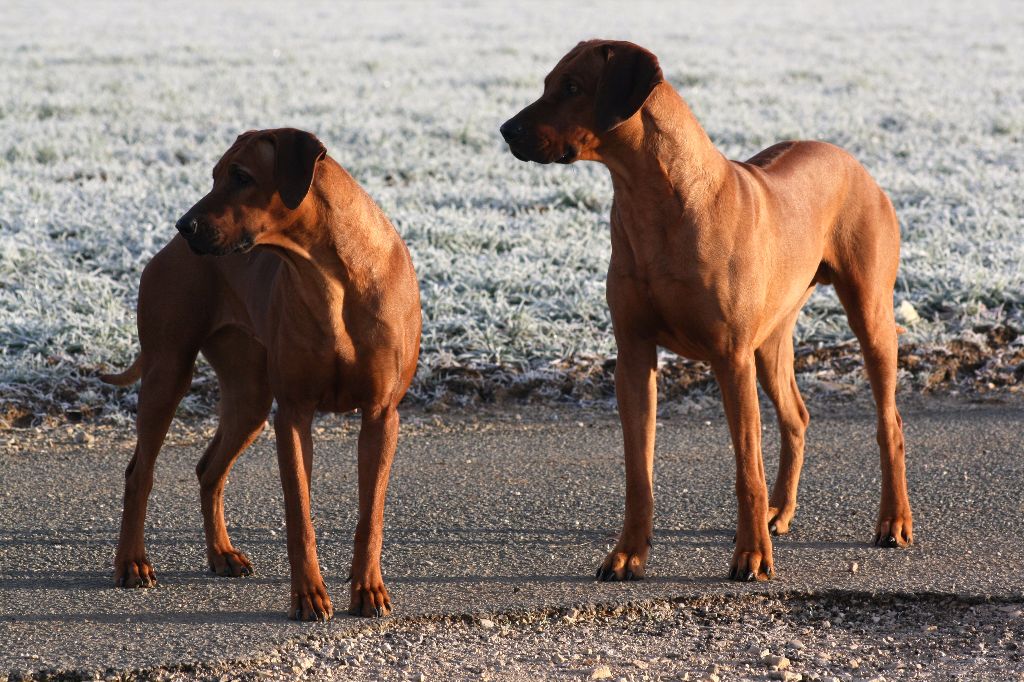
[
  {"x": 187, "y": 226},
  {"x": 511, "y": 130}
]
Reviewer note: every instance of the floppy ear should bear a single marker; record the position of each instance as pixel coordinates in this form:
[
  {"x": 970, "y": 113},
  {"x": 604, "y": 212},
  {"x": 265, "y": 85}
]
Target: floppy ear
[
  {"x": 297, "y": 153},
  {"x": 630, "y": 74}
]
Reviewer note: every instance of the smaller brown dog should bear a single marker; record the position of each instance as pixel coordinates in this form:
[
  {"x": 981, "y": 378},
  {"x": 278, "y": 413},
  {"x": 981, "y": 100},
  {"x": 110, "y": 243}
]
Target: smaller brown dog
[{"x": 293, "y": 284}]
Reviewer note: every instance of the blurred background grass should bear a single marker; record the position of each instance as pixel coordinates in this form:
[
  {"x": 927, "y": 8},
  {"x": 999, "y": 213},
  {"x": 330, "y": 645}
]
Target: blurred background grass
[{"x": 112, "y": 115}]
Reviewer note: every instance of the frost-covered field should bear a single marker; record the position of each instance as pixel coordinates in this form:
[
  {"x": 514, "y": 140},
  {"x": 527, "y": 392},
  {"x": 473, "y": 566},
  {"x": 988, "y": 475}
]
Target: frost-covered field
[{"x": 112, "y": 114}]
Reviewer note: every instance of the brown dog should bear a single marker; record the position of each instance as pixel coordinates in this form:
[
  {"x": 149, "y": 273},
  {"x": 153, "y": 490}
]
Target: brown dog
[
  {"x": 289, "y": 279},
  {"x": 713, "y": 260}
]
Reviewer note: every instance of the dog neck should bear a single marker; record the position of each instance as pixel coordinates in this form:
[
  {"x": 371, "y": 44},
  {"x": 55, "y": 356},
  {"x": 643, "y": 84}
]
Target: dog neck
[
  {"x": 337, "y": 231},
  {"x": 665, "y": 151}
]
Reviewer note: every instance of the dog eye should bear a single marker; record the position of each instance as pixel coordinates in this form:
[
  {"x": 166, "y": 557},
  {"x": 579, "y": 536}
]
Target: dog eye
[
  {"x": 570, "y": 88},
  {"x": 241, "y": 177}
]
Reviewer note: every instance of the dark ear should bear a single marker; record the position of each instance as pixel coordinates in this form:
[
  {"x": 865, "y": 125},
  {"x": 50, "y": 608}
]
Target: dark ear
[
  {"x": 297, "y": 153},
  {"x": 630, "y": 74}
]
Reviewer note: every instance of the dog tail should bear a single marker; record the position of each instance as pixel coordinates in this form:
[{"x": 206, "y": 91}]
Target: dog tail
[{"x": 127, "y": 377}]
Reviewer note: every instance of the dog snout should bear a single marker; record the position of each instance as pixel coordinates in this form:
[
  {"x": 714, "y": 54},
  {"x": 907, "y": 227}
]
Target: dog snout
[
  {"x": 512, "y": 130},
  {"x": 187, "y": 225}
]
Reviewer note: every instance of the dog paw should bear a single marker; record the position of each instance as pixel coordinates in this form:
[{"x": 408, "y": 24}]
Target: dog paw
[
  {"x": 894, "y": 531},
  {"x": 752, "y": 565},
  {"x": 779, "y": 520},
  {"x": 369, "y": 599},
  {"x": 134, "y": 573},
  {"x": 230, "y": 563},
  {"x": 310, "y": 602},
  {"x": 623, "y": 564}
]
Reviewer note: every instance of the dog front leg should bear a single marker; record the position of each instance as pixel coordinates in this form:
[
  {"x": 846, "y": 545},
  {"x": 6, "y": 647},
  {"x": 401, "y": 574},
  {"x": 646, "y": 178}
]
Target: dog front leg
[
  {"x": 378, "y": 437},
  {"x": 636, "y": 393},
  {"x": 752, "y": 558},
  {"x": 309, "y": 600}
]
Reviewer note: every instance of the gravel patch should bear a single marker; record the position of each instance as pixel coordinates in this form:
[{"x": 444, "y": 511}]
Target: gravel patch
[
  {"x": 848, "y": 637},
  {"x": 844, "y": 638}
]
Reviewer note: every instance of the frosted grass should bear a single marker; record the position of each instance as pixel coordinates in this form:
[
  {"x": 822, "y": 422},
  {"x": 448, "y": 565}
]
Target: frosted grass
[{"x": 112, "y": 115}]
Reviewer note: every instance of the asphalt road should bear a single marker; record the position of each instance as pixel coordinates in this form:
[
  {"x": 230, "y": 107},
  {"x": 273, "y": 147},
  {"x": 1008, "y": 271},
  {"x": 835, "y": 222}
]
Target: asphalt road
[{"x": 486, "y": 515}]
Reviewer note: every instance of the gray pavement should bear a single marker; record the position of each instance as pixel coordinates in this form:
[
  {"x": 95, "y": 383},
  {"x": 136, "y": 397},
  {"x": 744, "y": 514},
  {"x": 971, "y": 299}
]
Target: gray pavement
[{"x": 486, "y": 515}]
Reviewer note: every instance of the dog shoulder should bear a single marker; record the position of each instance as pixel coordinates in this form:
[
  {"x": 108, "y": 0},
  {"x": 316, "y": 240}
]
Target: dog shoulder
[{"x": 767, "y": 157}]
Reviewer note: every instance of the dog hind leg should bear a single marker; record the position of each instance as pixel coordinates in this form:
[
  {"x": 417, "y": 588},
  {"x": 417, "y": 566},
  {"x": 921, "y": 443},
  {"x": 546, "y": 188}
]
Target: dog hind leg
[
  {"x": 164, "y": 382},
  {"x": 245, "y": 399},
  {"x": 869, "y": 307}
]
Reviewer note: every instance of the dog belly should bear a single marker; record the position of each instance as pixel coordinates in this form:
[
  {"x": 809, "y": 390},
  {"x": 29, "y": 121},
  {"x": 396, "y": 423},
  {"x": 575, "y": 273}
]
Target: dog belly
[
  {"x": 682, "y": 325},
  {"x": 702, "y": 325},
  {"x": 682, "y": 347},
  {"x": 336, "y": 401}
]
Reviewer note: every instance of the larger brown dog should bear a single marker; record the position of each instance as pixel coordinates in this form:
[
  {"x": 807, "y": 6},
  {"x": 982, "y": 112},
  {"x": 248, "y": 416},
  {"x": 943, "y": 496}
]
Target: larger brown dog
[
  {"x": 713, "y": 259},
  {"x": 323, "y": 314}
]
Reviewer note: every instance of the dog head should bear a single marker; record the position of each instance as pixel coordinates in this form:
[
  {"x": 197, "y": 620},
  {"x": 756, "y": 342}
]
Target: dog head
[
  {"x": 594, "y": 89},
  {"x": 258, "y": 185}
]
